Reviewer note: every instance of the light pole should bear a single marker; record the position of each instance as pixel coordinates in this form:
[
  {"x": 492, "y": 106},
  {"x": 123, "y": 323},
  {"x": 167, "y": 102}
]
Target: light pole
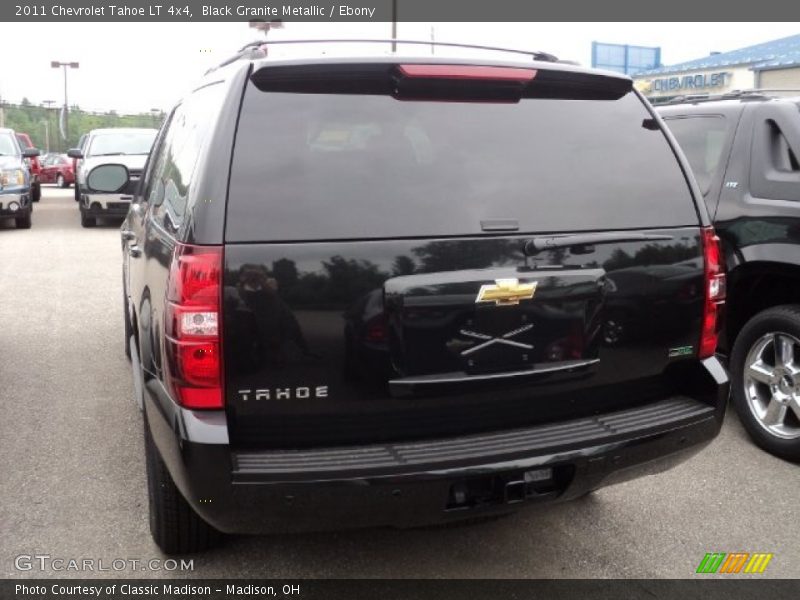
[
  {"x": 156, "y": 114},
  {"x": 394, "y": 26},
  {"x": 72, "y": 65},
  {"x": 266, "y": 27}
]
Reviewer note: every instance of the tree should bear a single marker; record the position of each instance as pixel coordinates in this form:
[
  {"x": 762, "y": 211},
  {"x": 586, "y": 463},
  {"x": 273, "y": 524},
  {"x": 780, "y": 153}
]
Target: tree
[
  {"x": 441, "y": 256},
  {"x": 30, "y": 119},
  {"x": 403, "y": 265},
  {"x": 285, "y": 271}
]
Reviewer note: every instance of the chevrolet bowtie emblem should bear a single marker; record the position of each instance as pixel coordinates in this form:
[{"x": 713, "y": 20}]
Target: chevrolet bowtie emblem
[{"x": 506, "y": 292}]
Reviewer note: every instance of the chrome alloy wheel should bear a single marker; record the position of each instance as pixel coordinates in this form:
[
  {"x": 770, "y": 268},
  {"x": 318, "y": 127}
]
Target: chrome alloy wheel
[{"x": 771, "y": 381}]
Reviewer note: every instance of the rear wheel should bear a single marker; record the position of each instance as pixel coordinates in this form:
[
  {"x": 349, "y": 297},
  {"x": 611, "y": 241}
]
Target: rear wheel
[
  {"x": 23, "y": 222},
  {"x": 87, "y": 221},
  {"x": 60, "y": 181},
  {"x": 175, "y": 527},
  {"x": 765, "y": 366}
]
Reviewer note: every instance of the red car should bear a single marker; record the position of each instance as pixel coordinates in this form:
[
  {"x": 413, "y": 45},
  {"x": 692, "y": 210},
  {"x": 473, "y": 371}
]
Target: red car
[
  {"x": 35, "y": 167},
  {"x": 58, "y": 169}
]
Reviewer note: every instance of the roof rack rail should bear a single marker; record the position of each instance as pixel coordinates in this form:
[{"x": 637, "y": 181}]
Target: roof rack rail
[
  {"x": 773, "y": 90},
  {"x": 255, "y": 49},
  {"x": 732, "y": 95}
]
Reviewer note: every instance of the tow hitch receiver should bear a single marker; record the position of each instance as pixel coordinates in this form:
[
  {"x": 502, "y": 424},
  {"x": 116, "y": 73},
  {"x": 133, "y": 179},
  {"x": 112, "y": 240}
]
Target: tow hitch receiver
[{"x": 509, "y": 488}]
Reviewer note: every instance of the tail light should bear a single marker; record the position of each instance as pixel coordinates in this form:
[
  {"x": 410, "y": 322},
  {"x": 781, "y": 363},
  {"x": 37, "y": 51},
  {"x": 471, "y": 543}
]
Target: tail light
[
  {"x": 714, "y": 282},
  {"x": 468, "y": 72},
  {"x": 376, "y": 330},
  {"x": 461, "y": 83},
  {"x": 192, "y": 326}
]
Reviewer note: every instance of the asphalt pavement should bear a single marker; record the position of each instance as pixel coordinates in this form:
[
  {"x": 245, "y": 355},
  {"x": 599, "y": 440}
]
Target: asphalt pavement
[{"x": 72, "y": 478}]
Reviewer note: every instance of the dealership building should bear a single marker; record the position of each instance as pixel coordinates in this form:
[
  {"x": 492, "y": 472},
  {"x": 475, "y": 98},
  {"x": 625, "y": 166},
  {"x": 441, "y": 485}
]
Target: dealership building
[{"x": 771, "y": 65}]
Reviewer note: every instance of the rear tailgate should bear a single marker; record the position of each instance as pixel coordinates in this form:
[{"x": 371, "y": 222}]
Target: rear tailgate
[{"x": 390, "y": 264}]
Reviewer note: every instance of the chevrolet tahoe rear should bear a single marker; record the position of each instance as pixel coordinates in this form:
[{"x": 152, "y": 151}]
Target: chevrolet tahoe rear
[{"x": 404, "y": 291}]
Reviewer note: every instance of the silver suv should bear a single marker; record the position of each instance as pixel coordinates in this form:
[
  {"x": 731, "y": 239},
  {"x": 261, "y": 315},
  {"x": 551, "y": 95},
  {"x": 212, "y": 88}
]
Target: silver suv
[{"x": 127, "y": 146}]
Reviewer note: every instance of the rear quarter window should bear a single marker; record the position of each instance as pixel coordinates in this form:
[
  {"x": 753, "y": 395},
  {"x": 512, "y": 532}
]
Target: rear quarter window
[
  {"x": 310, "y": 166},
  {"x": 703, "y": 140}
]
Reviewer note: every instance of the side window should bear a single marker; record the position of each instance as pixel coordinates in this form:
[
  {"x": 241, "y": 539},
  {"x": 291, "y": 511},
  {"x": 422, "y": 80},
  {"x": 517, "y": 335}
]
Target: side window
[
  {"x": 703, "y": 140},
  {"x": 774, "y": 171},
  {"x": 149, "y": 177},
  {"x": 173, "y": 169}
]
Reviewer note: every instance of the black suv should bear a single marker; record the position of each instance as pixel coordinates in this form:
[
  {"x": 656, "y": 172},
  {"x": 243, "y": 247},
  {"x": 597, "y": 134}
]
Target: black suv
[
  {"x": 406, "y": 290},
  {"x": 744, "y": 151}
]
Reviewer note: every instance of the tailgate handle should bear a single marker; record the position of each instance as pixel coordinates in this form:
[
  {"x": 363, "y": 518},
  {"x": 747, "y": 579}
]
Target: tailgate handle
[
  {"x": 538, "y": 244},
  {"x": 407, "y": 386}
]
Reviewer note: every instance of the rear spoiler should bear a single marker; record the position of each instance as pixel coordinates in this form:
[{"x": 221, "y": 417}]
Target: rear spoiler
[{"x": 456, "y": 82}]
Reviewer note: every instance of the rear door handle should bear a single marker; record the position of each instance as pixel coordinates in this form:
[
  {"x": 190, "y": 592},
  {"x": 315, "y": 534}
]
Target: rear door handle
[
  {"x": 134, "y": 251},
  {"x": 128, "y": 235}
]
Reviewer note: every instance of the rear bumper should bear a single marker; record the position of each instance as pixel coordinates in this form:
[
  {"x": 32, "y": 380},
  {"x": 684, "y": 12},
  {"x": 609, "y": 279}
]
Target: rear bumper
[{"x": 426, "y": 482}]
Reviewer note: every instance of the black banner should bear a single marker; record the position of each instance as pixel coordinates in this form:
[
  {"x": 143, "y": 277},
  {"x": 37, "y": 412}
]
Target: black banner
[
  {"x": 610, "y": 589},
  {"x": 395, "y": 10}
]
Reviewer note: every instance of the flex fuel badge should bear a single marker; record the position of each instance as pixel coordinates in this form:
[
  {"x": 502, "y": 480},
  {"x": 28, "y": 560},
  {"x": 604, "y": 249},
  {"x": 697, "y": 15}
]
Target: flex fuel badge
[{"x": 681, "y": 351}]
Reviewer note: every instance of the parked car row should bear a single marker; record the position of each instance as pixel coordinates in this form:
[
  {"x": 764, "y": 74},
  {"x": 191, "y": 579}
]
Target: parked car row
[{"x": 128, "y": 146}]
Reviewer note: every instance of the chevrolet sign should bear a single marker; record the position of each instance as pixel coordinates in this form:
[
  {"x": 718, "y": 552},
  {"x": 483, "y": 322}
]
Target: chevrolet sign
[{"x": 691, "y": 82}]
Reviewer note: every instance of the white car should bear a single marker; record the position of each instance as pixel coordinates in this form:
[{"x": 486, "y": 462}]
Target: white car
[{"x": 124, "y": 146}]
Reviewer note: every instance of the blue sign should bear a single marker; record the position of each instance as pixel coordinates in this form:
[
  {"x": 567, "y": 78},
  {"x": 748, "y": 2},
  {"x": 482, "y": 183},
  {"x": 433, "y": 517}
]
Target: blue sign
[
  {"x": 624, "y": 58},
  {"x": 691, "y": 82}
]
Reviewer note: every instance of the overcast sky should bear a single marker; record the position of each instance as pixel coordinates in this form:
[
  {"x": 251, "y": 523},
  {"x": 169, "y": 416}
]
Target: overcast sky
[{"x": 132, "y": 67}]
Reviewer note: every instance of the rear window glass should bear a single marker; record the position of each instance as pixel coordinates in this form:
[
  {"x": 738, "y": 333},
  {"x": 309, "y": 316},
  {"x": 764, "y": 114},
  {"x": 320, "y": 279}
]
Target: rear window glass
[
  {"x": 346, "y": 166},
  {"x": 703, "y": 140}
]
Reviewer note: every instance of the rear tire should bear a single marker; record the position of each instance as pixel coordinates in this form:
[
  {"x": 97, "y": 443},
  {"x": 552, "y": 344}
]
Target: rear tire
[
  {"x": 60, "y": 181},
  {"x": 175, "y": 527},
  {"x": 23, "y": 222},
  {"x": 777, "y": 432},
  {"x": 87, "y": 221}
]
